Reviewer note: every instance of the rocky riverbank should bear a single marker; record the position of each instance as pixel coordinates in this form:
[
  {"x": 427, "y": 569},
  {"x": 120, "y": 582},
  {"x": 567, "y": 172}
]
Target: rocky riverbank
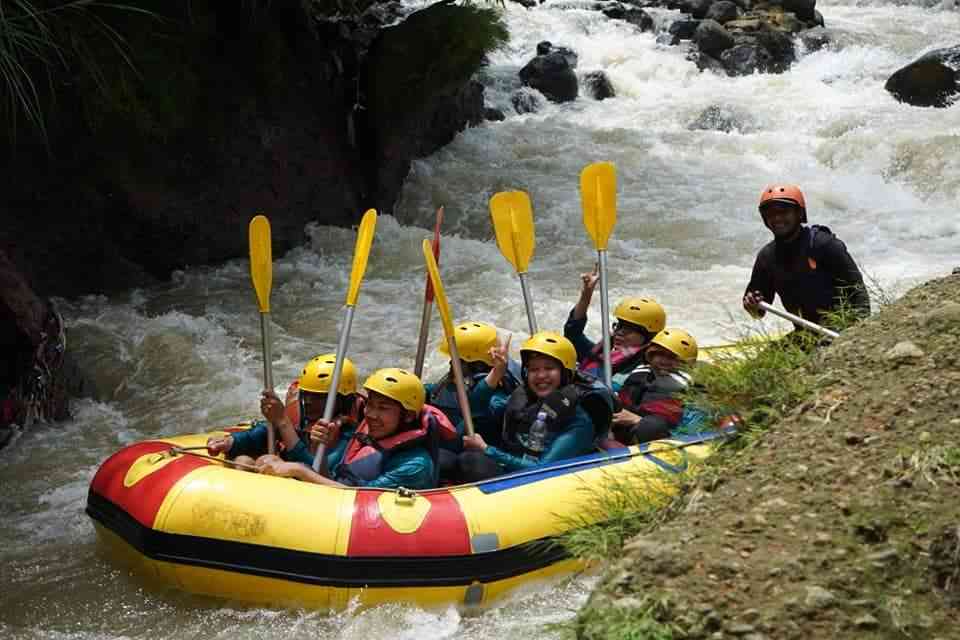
[{"x": 841, "y": 521}]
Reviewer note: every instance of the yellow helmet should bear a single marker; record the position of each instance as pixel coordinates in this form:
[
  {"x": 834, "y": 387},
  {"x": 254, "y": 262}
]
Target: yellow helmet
[
  {"x": 318, "y": 373},
  {"x": 551, "y": 344},
  {"x": 678, "y": 342},
  {"x": 399, "y": 385},
  {"x": 643, "y": 312},
  {"x": 474, "y": 340}
]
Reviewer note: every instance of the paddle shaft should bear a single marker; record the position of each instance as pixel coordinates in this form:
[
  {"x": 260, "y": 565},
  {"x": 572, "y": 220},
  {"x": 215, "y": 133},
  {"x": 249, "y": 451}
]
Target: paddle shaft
[
  {"x": 798, "y": 320},
  {"x": 461, "y": 387},
  {"x": 424, "y": 335},
  {"x": 605, "y": 316},
  {"x": 528, "y": 303},
  {"x": 267, "y": 371},
  {"x": 331, "y": 403}
]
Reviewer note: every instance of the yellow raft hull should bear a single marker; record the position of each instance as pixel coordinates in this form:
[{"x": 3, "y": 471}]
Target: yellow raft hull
[{"x": 194, "y": 524}]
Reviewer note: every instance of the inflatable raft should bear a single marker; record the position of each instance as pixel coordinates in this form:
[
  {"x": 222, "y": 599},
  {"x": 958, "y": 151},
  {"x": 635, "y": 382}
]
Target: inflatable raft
[{"x": 192, "y": 523}]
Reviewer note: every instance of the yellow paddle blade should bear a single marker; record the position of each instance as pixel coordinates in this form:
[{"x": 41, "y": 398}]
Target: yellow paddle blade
[
  {"x": 598, "y": 193},
  {"x": 440, "y": 297},
  {"x": 360, "y": 254},
  {"x": 512, "y": 218},
  {"x": 261, "y": 261}
]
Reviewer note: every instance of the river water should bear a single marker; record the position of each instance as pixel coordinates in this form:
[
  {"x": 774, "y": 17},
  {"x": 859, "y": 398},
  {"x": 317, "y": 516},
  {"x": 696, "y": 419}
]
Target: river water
[{"x": 186, "y": 355}]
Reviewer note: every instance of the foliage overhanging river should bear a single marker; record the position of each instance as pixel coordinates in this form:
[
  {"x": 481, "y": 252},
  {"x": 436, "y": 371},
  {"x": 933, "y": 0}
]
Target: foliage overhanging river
[{"x": 186, "y": 356}]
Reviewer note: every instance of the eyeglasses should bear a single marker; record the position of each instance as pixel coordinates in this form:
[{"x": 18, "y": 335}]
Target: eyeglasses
[{"x": 625, "y": 327}]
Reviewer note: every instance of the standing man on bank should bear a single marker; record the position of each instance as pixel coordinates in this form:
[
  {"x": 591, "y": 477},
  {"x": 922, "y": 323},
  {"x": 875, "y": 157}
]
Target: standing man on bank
[{"x": 807, "y": 266}]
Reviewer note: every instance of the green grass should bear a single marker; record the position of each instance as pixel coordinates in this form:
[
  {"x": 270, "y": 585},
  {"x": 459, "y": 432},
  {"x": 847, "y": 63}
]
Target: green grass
[
  {"x": 616, "y": 510},
  {"x": 761, "y": 381},
  {"x": 646, "y": 618},
  {"x": 43, "y": 42}
]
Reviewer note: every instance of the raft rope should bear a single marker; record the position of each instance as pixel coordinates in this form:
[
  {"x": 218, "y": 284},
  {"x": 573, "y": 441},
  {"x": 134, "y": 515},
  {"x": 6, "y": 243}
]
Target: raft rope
[{"x": 192, "y": 451}]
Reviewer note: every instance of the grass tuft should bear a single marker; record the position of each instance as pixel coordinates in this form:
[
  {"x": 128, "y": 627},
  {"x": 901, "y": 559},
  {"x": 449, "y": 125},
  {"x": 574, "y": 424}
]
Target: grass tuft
[{"x": 616, "y": 510}]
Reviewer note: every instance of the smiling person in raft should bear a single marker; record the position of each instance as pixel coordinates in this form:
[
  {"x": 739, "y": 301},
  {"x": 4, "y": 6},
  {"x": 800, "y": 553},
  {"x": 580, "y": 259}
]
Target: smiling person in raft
[
  {"x": 306, "y": 399},
  {"x": 396, "y": 444},
  {"x": 555, "y": 415}
]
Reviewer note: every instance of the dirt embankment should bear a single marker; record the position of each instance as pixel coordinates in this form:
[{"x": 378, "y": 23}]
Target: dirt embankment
[{"x": 843, "y": 521}]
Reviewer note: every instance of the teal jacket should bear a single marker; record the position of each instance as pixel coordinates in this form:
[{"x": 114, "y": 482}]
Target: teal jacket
[
  {"x": 484, "y": 403},
  {"x": 411, "y": 468},
  {"x": 575, "y": 440},
  {"x": 253, "y": 443}
]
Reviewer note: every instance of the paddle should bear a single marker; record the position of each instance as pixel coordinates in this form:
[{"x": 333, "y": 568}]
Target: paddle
[
  {"x": 512, "y": 219},
  {"x": 798, "y": 320},
  {"x": 261, "y": 272},
  {"x": 427, "y": 302},
  {"x": 360, "y": 254},
  {"x": 598, "y": 194},
  {"x": 447, "y": 321}
]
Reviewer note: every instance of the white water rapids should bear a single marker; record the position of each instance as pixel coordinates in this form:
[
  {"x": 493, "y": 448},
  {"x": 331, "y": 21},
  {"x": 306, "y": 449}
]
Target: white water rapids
[{"x": 186, "y": 356}]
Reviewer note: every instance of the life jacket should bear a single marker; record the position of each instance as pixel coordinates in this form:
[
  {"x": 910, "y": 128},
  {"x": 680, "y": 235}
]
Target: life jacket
[
  {"x": 560, "y": 406},
  {"x": 364, "y": 459},
  {"x": 646, "y": 392},
  {"x": 622, "y": 362}
]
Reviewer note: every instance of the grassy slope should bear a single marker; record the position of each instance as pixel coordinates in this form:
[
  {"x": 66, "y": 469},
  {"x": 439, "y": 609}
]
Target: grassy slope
[{"x": 832, "y": 523}]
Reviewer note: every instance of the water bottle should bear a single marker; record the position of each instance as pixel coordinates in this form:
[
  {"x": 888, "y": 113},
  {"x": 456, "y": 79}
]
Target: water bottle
[{"x": 538, "y": 434}]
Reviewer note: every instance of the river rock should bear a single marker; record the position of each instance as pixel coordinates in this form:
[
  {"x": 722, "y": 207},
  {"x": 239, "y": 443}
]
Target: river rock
[
  {"x": 723, "y": 11},
  {"x": 552, "y": 75},
  {"x": 817, "y": 38},
  {"x": 634, "y": 15},
  {"x": 718, "y": 117},
  {"x": 493, "y": 114},
  {"x": 34, "y": 384},
  {"x": 712, "y": 38},
  {"x": 803, "y": 9},
  {"x": 682, "y": 29},
  {"x": 526, "y": 100},
  {"x": 932, "y": 80},
  {"x": 598, "y": 85},
  {"x": 904, "y": 351}
]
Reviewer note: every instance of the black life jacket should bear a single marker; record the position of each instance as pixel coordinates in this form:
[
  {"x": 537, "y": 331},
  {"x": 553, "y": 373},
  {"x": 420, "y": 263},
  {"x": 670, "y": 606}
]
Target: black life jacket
[
  {"x": 646, "y": 385},
  {"x": 809, "y": 288},
  {"x": 560, "y": 406},
  {"x": 364, "y": 458}
]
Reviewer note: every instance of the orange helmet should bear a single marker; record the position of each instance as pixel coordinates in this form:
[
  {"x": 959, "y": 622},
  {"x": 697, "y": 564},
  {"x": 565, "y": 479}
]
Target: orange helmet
[{"x": 788, "y": 193}]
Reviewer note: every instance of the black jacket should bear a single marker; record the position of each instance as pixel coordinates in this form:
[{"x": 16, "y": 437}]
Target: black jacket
[{"x": 812, "y": 273}]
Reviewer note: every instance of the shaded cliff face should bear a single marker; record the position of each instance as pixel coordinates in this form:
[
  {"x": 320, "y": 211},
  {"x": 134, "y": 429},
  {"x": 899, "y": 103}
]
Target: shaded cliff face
[{"x": 234, "y": 113}]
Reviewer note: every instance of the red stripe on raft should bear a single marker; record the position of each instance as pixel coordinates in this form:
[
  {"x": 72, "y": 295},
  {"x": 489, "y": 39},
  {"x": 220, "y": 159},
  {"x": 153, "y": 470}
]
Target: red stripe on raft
[
  {"x": 143, "y": 499},
  {"x": 443, "y": 532}
]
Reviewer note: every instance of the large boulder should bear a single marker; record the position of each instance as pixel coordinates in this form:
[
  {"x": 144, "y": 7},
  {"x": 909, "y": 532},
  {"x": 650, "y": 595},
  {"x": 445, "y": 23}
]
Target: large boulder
[
  {"x": 723, "y": 11},
  {"x": 932, "y": 80},
  {"x": 33, "y": 385},
  {"x": 552, "y": 75},
  {"x": 712, "y": 38}
]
